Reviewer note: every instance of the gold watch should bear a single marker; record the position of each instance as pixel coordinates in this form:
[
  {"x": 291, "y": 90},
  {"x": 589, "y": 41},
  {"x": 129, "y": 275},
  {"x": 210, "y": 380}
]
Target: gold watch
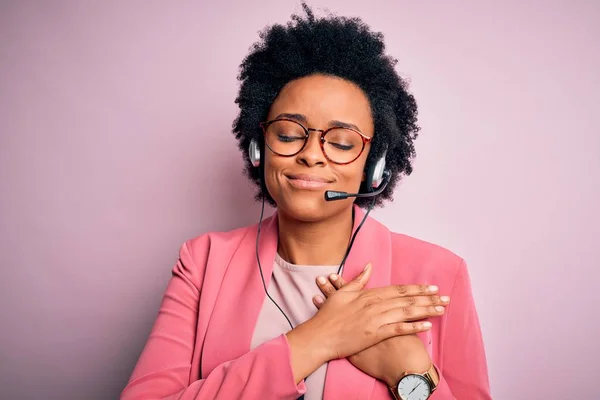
[{"x": 416, "y": 386}]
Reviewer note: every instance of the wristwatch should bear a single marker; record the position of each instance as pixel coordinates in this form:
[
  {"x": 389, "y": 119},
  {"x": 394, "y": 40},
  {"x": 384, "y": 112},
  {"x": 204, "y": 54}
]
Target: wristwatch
[{"x": 415, "y": 386}]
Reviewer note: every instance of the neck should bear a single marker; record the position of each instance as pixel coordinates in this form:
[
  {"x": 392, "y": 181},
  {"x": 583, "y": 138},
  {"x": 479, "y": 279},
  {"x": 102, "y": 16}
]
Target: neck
[{"x": 314, "y": 243}]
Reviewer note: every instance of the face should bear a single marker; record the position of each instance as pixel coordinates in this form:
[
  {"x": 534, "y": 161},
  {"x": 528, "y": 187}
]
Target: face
[{"x": 298, "y": 183}]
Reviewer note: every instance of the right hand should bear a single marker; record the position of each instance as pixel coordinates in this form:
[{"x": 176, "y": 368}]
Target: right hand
[{"x": 353, "y": 319}]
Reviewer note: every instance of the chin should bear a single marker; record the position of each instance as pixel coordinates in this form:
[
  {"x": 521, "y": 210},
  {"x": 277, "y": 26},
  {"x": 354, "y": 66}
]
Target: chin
[
  {"x": 304, "y": 208},
  {"x": 309, "y": 206}
]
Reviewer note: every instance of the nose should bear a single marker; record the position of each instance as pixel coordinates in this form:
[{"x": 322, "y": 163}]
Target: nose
[{"x": 312, "y": 153}]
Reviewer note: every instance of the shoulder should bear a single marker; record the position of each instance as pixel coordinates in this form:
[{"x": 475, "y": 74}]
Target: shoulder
[
  {"x": 421, "y": 249},
  {"x": 424, "y": 259},
  {"x": 199, "y": 248},
  {"x": 206, "y": 257}
]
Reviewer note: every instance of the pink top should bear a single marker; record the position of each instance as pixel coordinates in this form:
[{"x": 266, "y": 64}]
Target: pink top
[
  {"x": 292, "y": 287},
  {"x": 200, "y": 344}
]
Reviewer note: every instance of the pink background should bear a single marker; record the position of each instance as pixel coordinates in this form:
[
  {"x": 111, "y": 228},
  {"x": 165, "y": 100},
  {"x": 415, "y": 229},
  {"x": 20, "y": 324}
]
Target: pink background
[{"x": 115, "y": 147}]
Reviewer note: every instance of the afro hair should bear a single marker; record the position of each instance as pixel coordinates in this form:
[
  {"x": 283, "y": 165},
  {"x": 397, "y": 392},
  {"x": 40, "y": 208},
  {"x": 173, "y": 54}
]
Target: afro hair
[{"x": 336, "y": 46}]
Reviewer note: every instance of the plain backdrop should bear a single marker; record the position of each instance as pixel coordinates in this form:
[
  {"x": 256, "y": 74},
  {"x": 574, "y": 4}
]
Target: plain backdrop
[{"x": 116, "y": 146}]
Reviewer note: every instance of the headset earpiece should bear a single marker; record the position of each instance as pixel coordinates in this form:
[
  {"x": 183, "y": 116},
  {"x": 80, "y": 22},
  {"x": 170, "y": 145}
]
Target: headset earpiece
[
  {"x": 374, "y": 175},
  {"x": 254, "y": 153}
]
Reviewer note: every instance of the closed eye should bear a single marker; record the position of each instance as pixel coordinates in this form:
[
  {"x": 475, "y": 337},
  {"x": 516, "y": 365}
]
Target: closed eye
[
  {"x": 344, "y": 147},
  {"x": 288, "y": 139}
]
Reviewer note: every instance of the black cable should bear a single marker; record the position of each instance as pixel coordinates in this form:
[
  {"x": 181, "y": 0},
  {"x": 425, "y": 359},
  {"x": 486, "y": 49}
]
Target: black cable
[
  {"x": 354, "y": 236},
  {"x": 262, "y": 210}
]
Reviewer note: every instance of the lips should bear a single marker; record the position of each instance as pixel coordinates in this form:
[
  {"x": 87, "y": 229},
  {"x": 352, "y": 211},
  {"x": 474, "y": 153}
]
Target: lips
[
  {"x": 310, "y": 178},
  {"x": 304, "y": 181}
]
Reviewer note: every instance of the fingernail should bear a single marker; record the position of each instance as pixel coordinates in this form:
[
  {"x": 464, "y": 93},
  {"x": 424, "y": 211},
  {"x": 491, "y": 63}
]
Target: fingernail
[
  {"x": 433, "y": 288},
  {"x": 321, "y": 280},
  {"x": 367, "y": 267},
  {"x": 426, "y": 324},
  {"x": 333, "y": 277},
  {"x": 445, "y": 299},
  {"x": 318, "y": 300},
  {"x": 439, "y": 308}
]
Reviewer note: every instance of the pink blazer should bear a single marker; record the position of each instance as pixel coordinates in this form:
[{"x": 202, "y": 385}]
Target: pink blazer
[{"x": 199, "y": 347}]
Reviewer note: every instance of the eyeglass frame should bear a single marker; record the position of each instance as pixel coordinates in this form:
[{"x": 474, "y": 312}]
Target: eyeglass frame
[{"x": 365, "y": 139}]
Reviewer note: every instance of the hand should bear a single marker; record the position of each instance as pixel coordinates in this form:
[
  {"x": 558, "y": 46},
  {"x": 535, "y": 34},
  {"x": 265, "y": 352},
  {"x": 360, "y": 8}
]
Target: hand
[
  {"x": 354, "y": 318},
  {"x": 389, "y": 359}
]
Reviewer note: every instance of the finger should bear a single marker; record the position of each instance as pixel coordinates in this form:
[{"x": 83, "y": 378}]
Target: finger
[
  {"x": 360, "y": 281},
  {"x": 318, "y": 301},
  {"x": 394, "y": 291},
  {"x": 423, "y": 301},
  {"x": 403, "y": 328},
  {"x": 326, "y": 287},
  {"x": 409, "y": 314},
  {"x": 376, "y": 305},
  {"x": 337, "y": 281}
]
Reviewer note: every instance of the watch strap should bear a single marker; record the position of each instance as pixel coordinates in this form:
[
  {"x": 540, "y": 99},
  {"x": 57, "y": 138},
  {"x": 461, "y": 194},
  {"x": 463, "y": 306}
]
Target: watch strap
[
  {"x": 433, "y": 377},
  {"x": 395, "y": 393}
]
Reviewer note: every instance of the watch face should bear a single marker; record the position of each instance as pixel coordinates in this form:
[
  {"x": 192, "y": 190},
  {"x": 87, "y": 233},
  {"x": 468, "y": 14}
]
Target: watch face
[{"x": 414, "y": 387}]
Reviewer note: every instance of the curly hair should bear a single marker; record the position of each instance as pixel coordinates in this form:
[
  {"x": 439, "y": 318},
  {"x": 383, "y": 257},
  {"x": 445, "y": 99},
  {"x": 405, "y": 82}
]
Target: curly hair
[{"x": 335, "y": 46}]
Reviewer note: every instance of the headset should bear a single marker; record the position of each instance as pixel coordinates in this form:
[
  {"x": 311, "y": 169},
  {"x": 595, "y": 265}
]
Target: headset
[{"x": 376, "y": 180}]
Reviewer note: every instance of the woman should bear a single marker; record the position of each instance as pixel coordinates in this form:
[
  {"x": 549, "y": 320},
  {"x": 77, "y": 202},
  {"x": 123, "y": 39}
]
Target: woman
[{"x": 318, "y": 300}]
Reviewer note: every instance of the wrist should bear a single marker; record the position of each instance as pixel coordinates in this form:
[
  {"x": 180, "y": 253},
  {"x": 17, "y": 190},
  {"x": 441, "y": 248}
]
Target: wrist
[
  {"x": 412, "y": 365},
  {"x": 307, "y": 352},
  {"x": 308, "y": 340},
  {"x": 392, "y": 381}
]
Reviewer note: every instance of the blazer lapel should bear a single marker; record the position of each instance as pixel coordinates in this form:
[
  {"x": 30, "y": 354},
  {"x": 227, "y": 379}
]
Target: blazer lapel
[
  {"x": 372, "y": 244},
  {"x": 240, "y": 297}
]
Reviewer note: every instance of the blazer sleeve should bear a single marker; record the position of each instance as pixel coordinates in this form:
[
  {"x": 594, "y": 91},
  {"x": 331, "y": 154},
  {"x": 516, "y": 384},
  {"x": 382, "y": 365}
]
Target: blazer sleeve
[
  {"x": 163, "y": 370},
  {"x": 463, "y": 367}
]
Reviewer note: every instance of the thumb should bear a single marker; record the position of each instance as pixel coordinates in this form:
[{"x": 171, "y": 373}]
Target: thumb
[{"x": 360, "y": 281}]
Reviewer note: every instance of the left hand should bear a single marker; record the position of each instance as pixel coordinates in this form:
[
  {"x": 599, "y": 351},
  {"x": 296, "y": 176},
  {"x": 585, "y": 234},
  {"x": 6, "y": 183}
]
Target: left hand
[{"x": 389, "y": 359}]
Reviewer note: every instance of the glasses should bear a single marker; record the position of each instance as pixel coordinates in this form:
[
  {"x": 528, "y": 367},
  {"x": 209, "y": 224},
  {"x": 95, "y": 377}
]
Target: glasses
[{"x": 340, "y": 145}]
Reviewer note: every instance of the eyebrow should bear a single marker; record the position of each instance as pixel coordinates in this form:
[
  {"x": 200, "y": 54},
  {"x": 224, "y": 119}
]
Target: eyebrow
[{"x": 302, "y": 118}]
